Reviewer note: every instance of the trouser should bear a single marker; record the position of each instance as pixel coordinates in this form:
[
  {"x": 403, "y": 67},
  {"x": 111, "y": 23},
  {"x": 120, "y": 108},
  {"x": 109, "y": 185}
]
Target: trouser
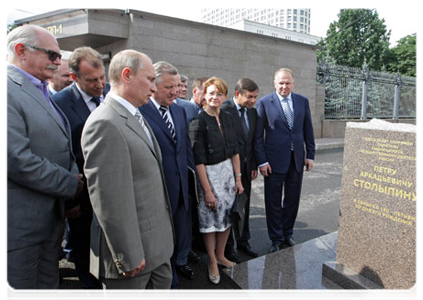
[
  {"x": 159, "y": 278},
  {"x": 281, "y": 215},
  {"x": 36, "y": 266}
]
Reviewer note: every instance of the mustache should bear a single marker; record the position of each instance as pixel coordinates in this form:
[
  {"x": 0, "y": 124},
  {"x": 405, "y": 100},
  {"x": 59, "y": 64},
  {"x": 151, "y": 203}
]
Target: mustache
[{"x": 52, "y": 67}]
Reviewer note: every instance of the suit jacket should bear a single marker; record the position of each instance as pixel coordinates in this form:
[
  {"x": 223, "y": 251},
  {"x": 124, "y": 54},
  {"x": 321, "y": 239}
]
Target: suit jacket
[
  {"x": 40, "y": 165},
  {"x": 245, "y": 145},
  {"x": 176, "y": 157},
  {"x": 125, "y": 178},
  {"x": 190, "y": 108},
  {"x": 76, "y": 110},
  {"x": 273, "y": 137}
]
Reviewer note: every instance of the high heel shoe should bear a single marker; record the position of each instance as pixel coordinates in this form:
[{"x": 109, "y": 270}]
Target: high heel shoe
[
  {"x": 214, "y": 279},
  {"x": 226, "y": 266}
]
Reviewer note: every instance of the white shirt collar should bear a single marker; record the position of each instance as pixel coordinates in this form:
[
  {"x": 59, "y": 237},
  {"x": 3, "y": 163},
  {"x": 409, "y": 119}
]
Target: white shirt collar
[{"x": 132, "y": 109}]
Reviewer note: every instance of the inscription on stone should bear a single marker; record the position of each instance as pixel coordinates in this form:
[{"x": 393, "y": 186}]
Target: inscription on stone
[{"x": 377, "y": 226}]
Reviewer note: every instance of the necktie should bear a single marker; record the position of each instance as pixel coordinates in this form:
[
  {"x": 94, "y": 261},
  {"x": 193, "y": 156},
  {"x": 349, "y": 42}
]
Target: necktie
[
  {"x": 164, "y": 111},
  {"x": 96, "y": 100},
  {"x": 289, "y": 115},
  {"x": 243, "y": 122},
  {"x": 141, "y": 120}
]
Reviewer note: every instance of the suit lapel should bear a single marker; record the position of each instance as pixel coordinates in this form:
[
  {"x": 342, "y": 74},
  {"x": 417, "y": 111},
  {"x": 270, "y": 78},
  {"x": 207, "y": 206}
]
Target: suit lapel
[
  {"x": 78, "y": 104},
  {"x": 276, "y": 104},
  {"x": 236, "y": 119},
  {"x": 156, "y": 117},
  {"x": 133, "y": 124},
  {"x": 31, "y": 90}
]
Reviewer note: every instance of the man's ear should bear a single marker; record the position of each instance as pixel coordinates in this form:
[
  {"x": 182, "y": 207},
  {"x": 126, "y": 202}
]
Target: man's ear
[
  {"x": 73, "y": 76},
  {"x": 20, "y": 49},
  {"x": 126, "y": 74}
]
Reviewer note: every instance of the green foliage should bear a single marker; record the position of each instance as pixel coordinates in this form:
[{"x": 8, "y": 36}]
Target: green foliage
[
  {"x": 403, "y": 57},
  {"x": 358, "y": 37}
]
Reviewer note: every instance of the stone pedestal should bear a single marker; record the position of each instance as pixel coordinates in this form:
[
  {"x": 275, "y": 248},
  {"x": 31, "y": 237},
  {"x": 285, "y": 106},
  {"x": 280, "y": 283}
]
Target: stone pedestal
[{"x": 377, "y": 223}]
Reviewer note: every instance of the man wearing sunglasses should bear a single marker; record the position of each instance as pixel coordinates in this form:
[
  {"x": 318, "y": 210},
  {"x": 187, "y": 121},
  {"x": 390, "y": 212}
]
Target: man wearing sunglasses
[
  {"x": 42, "y": 172},
  {"x": 77, "y": 102}
]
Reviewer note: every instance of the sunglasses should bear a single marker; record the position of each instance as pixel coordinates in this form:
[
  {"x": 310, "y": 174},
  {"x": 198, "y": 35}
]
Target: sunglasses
[{"x": 52, "y": 55}]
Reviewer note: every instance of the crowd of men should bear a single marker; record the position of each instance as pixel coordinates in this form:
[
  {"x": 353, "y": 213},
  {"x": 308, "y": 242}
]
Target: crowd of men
[{"x": 115, "y": 163}]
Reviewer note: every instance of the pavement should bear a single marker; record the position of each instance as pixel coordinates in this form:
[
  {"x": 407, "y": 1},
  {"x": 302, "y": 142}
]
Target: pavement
[{"x": 317, "y": 217}]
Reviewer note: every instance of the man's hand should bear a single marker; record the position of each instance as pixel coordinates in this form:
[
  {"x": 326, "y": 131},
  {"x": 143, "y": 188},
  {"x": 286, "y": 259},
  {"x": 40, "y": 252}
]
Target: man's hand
[
  {"x": 74, "y": 212},
  {"x": 266, "y": 170},
  {"x": 254, "y": 174},
  {"x": 137, "y": 270},
  {"x": 80, "y": 184},
  {"x": 309, "y": 164}
]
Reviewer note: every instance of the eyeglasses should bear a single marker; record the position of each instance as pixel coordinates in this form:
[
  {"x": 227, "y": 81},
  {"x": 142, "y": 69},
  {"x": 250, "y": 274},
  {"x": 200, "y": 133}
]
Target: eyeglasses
[{"x": 52, "y": 55}]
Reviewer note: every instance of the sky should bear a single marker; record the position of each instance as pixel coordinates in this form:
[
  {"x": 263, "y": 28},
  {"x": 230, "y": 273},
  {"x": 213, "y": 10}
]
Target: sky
[{"x": 400, "y": 18}]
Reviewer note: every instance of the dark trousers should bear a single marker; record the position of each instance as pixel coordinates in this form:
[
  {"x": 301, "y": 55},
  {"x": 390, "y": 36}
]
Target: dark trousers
[
  {"x": 281, "y": 215},
  {"x": 183, "y": 232},
  {"x": 80, "y": 231},
  {"x": 245, "y": 237}
]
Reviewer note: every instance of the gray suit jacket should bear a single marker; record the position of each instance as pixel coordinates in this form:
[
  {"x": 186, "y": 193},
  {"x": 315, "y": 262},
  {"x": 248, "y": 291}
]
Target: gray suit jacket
[
  {"x": 40, "y": 164},
  {"x": 128, "y": 193}
]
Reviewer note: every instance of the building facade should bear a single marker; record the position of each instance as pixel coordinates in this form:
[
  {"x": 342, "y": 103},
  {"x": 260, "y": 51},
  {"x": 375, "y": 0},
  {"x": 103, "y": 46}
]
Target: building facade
[{"x": 295, "y": 19}]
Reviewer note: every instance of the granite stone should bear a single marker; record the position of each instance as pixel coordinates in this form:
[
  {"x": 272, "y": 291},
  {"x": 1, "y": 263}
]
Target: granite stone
[
  {"x": 298, "y": 267},
  {"x": 377, "y": 223}
]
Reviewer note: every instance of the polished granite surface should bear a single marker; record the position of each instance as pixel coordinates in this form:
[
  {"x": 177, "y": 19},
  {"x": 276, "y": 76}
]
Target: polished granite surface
[{"x": 298, "y": 267}]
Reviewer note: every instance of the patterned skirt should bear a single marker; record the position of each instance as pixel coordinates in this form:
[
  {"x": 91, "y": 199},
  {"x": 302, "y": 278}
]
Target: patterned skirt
[{"x": 222, "y": 182}]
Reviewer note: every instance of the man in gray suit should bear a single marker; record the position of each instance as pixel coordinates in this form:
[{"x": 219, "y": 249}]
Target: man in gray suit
[
  {"x": 41, "y": 167},
  {"x": 132, "y": 237}
]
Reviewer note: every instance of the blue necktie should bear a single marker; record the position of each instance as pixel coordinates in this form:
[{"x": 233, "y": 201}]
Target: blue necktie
[
  {"x": 243, "y": 122},
  {"x": 289, "y": 115}
]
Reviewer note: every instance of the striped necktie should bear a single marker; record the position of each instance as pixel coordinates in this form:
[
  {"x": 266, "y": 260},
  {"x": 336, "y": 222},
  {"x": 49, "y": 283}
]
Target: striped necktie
[
  {"x": 141, "y": 121},
  {"x": 164, "y": 110},
  {"x": 289, "y": 115}
]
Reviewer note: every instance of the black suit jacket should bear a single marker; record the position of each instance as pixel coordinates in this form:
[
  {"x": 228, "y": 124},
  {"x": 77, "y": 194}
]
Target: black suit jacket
[
  {"x": 245, "y": 145},
  {"x": 76, "y": 110}
]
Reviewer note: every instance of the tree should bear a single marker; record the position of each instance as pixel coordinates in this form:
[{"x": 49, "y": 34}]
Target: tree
[
  {"x": 358, "y": 37},
  {"x": 404, "y": 57}
]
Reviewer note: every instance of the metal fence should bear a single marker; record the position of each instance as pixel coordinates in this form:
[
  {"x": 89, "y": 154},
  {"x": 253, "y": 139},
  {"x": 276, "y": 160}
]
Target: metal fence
[{"x": 352, "y": 93}]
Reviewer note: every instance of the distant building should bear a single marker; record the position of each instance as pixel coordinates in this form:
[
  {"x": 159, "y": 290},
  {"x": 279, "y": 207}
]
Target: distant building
[
  {"x": 276, "y": 32},
  {"x": 295, "y": 19}
]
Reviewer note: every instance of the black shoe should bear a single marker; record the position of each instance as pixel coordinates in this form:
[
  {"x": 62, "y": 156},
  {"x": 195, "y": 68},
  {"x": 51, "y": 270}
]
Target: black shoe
[
  {"x": 186, "y": 271},
  {"x": 275, "y": 247},
  {"x": 248, "y": 250},
  {"x": 193, "y": 257},
  {"x": 233, "y": 256},
  {"x": 289, "y": 241}
]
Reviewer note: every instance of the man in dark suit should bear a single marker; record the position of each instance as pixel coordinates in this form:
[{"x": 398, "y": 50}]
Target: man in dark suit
[
  {"x": 41, "y": 169},
  {"x": 168, "y": 123},
  {"x": 77, "y": 102},
  {"x": 61, "y": 79},
  {"x": 244, "y": 117},
  {"x": 284, "y": 129}
]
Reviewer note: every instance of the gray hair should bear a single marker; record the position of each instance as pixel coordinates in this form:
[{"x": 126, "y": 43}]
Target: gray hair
[
  {"x": 125, "y": 59},
  {"x": 184, "y": 78},
  {"x": 26, "y": 34},
  {"x": 285, "y": 70},
  {"x": 163, "y": 67}
]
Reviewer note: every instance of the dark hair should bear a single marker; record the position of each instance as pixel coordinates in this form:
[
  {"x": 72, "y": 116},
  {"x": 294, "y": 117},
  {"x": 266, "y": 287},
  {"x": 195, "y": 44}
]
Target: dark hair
[
  {"x": 198, "y": 82},
  {"x": 245, "y": 84},
  {"x": 84, "y": 53}
]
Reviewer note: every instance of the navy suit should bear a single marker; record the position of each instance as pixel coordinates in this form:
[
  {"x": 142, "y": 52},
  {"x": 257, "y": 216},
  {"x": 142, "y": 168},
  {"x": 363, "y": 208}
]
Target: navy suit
[
  {"x": 176, "y": 160},
  {"x": 273, "y": 140},
  {"x": 76, "y": 110},
  {"x": 190, "y": 108}
]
